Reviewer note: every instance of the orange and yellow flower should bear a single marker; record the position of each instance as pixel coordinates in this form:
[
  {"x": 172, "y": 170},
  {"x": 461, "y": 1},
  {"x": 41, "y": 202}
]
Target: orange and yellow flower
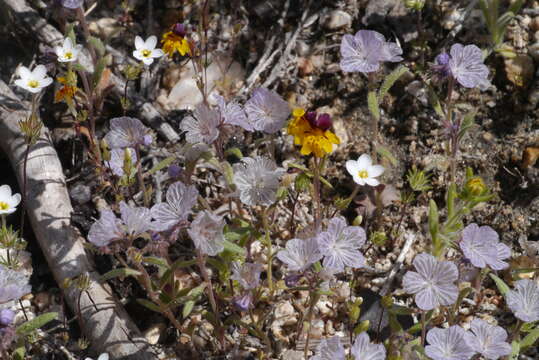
[
  {"x": 66, "y": 92},
  {"x": 318, "y": 140},
  {"x": 173, "y": 42}
]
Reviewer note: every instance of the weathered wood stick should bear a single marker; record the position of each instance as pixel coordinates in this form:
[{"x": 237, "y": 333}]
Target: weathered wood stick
[
  {"x": 49, "y": 209},
  {"x": 29, "y": 19}
]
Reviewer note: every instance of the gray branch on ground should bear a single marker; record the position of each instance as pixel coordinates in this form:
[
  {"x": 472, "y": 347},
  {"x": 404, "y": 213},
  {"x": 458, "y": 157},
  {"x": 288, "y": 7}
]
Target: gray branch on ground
[
  {"x": 410, "y": 238},
  {"x": 49, "y": 209},
  {"x": 29, "y": 20}
]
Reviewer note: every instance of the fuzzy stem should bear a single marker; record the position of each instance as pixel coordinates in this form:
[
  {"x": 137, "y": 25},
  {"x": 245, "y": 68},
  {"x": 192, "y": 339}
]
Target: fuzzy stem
[
  {"x": 316, "y": 194},
  {"x": 269, "y": 249},
  {"x": 423, "y": 327},
  {"x": 314, "y": 296}
]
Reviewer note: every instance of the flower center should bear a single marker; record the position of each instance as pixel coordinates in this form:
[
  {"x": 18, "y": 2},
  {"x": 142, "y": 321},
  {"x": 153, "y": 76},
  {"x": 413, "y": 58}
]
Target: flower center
[
  {"x": 68, "y": 55},
  {"x": 363, "y": 174},
  {"x": 3, "y": 206},
  {"x": 146, "y": 53},
  {"x": 33, "y": 83}
]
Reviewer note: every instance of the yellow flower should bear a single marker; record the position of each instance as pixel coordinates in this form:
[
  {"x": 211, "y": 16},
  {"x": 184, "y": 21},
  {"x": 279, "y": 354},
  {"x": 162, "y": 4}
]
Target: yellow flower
[
  {"x": 312, "y": 139},
  {"x": 66, "y": 92},
  {"x": 173, "y": 42}
]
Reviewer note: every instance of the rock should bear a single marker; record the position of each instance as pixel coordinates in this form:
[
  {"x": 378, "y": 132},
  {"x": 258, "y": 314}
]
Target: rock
[
  {"x": 376, "y": 11},
  {"x": 293, "y": 355},
  {"x": 80, "y": 193},
  {"x": 534, "y": 25},
  {"x": 153, "y": 333},
  {"x": 336, "y": 19},
  {"x": 223, "y": 72},
  {"x": 520, "y": 70},
  {"x": 533, "y": 50},
  {"x": 302, "y": 48},
  {"x": 417, "y": 90},
  {"x": 105, "y": 28}
]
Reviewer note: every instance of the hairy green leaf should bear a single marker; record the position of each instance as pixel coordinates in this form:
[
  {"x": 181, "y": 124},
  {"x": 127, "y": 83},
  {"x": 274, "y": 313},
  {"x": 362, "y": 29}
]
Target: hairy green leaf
[
  {"x": 161, "y": 165},
  {"x": 36, "y": 323},
  {"x": 502, "y": 286},
  {"x": 98, "y": 45},
  {"x": 120, "y": 272},
  {"x": 149, "y": 305},
  {"x": 374, "y": 108},
  {"x": 530, "y": 339},
  {"x": 385, "y": 153},
  {"x": 390, "y": 80}
]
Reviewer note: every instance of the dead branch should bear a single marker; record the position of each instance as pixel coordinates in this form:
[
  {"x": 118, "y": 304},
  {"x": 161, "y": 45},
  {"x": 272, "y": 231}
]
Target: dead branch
[{"x": 49, "y": 209}]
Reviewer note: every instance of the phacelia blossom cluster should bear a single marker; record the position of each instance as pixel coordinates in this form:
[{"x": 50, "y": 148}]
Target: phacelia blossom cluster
[
  {"x": 465, "y": 64},
  {"x": 127, "y": 132},
  {"x": 311, "y": 131},
  {"x": 267, "y": 111},
  {"x": 180, "y": 200},
  {"x": 362, "y": 349},
  {"x": 257, "y": 180},
  {"x": 448, "y": 344},
  {"x": 13, "y": 285},
  {"x": 481, "y": 246},
  {"x": 206, "y": 231},
  {"x": 433, "y": 282},
  {"x": 488, "y": 340},
  {"x": 366, "y": 50},
  {"x": 524, "y": 300},
  {"x": 248, "y": 276}
]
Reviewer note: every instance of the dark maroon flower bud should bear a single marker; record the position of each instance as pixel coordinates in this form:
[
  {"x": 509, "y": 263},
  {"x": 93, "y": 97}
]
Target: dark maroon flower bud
[
  {"x": 6, "y": 317},
  {"x": 243, "y": 302},
  {"x": 323, "y": 122},
  {"x": 311, "y": 117},
  {"x": 179, "y": 29},
  {"x": 292, "y": 279}
]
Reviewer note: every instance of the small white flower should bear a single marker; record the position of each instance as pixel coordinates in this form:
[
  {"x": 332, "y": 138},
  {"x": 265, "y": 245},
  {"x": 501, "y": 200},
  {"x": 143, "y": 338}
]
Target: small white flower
[
  {"x": 68, "y": 52},
  {"x": 363, "y": 171},
  {"x": 33, "y": 81},
  {"x": 8, "y": 201},
  {"x": 146, "y": 51}
]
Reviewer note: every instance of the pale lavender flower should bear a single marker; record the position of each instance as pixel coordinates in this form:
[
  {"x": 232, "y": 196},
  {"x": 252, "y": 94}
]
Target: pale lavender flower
[
  {"x": 481, "y": 246},
  {"x": 206, "y": 231},
  {"x": 127, "y": 132},
  {"x": 13, "y": 285},
  {"x": 300, "y": 254},
  {"x": 6, "y": 317},
  {"x": 136, "y": 220},
  {"x": 466, "y": 65},
  {"x": 488, "y": 340},
  {"x": 243, "y": 302},
  {"x": 72, "y": 4},
  {"x": 433, "y": 283},
  {"x": 203, "y": 126},
  {"x": 248, "y": 274},
  {"x": 524, "y": 300},
  {"x": 365, "y": 50},
  {"x": 117, "y": 160},
  {"x": 363, "y": 349},
  {"x": 448, "y": 344},
  {"x": 340, "y": 245},
  {"x": 329, "y": 349},
  {"x": 180, "y": 201},
  {"x": 257, "y": 180},
  {"x": 105, "y": 230},
  {"x": 232, "y": 113},
  {"x": 267, "y": 111}
]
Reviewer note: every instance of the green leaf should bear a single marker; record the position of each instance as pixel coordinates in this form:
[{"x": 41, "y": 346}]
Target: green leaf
[
  {"x": 98, "y": 45},
  {"x": 98, "y": 71},
  {"x": 155, "y": 261},
  {"x": 36, "y": 323},
  {"x": 451, "y": 196},
  {"x": 374, "y": 107},
  {"x": 161, "y": 165},
  {"x": 235, "y": 151},
  {"x": 467, "y": 123},
  {"x": 149, "y": 305},
  {"x": 434, "y": 101},
  {"x": 230, "y": 246},
  {"x": 385, "y": 153},
  {"x": 120, "y": 272},
  {"x": 502, "y": 286},
  {"x": 310, "y": 174},
  {"x": 390, "y": 80},
  {"x": 516, "y": 6},
  {"x": 19, "y": 353},
  {"x": 188, "y": 308},
  {"x": 434, "y": 225},
  {"x": 530, "y": 339},
  {"x": 515, "y": 350}
]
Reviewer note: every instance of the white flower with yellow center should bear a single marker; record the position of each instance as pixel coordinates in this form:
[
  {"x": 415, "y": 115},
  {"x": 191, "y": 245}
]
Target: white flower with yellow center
[
  {"x": 8, "y": 202},
  {"x": 363, "y": 171},
  {"x": 34, "y": 80},
  {"x": 146, "y": 51},
  {"x": 68, "y": 52}
]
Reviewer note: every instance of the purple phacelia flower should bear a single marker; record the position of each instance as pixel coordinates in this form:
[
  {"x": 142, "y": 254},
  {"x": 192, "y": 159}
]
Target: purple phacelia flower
[
  {"x": 441, "y": 66},
  {"x": 174, "y": 171},
  {"x": 126, "y": 132},
  {"x": 363, "y": 349},
  {"x": 180, "y": 201},
  {"x": 267, "y": 111},
  {"x": 232, "y": 113},
  {"x": 340, "y": 245},
  {"x": 202, "y": 126},
  {"x": 117, "y": 160},
  {"x": 136, "y": 220},
  {"x": 300, "y": 254},
  {"x": 330, "y": 349},
  {"x": 466, "y": 65},
  {"x": 488, "y": 340},
  {"x": 257, "y": 180},
  {"x": 365, "y": 50},
  {"x": 105, "y": 230},
  {"x": 72, "y": 4},
  {"x": 13, "y": 285},
  {"x": 433, "y": 282},
  {"x": 206, "y": 231},
  {"x": 243, "y": 302},
  {"x": 248, "y": 274},
  {"x": 481, "y": 246},
  {"x": 448, "y": 344},
  {"x": 6, "y": 317},
  {"x": 524, "y": 300}
]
